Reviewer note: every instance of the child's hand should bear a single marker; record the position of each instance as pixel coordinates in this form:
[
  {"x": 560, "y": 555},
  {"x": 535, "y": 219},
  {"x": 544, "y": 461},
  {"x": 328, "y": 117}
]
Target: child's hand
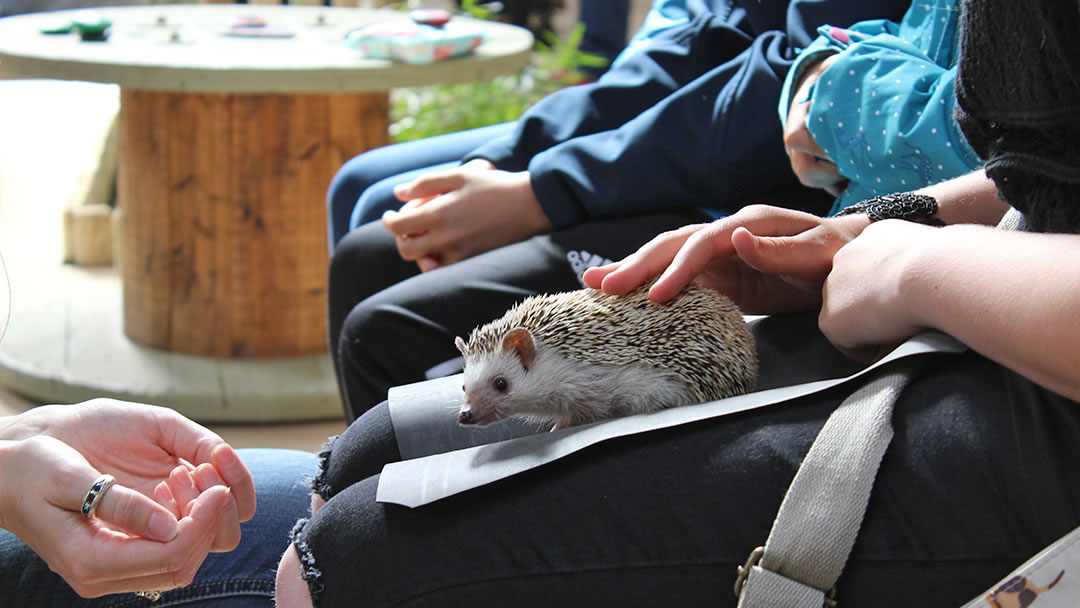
[{"x": 810, "y": 163}]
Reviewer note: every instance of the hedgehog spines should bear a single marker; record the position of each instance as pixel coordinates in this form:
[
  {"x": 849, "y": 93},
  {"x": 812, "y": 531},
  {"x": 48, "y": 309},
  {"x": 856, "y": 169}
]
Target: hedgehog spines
[{"x": 700, "y": 335}]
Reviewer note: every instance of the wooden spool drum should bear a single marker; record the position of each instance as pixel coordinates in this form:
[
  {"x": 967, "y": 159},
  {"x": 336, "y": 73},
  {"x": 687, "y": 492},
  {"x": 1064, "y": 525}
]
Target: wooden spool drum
[{"x": 223, "y": 249}]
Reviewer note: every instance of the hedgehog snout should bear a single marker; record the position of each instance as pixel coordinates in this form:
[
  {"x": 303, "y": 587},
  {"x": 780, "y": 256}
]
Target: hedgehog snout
[{"x": 465, "y": 417}]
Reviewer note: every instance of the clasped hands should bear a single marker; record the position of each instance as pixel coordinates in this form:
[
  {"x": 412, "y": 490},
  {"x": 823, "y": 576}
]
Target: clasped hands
[
  {"x": 458, "y": 213},
  {"x": 180, "y": 493}
]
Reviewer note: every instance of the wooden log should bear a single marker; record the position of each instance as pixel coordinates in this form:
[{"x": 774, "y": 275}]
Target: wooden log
[
  {"x": 224, "y": 241},
  {"x": 116, "y": 225},
  {"x": 142, "y": 193},
  {"x": 88, "y": 234},
  {"x": 199, "y": 190},
  {"x": 94, "y": 185}
]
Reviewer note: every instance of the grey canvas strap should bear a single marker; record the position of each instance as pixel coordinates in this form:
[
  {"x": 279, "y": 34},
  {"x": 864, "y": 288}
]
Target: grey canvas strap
[
  {"x": 819, "y": 518},
  {"x": 823, "y": 509}
]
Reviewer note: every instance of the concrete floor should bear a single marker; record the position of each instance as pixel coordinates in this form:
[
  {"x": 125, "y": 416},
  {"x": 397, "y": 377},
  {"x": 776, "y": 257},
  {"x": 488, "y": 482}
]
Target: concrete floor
[{"x": 47, "y": 135}]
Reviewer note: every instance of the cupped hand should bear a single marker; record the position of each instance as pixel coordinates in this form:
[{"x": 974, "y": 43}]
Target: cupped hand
[
  {"x": 809, "y": 161},
  {"x": 141, "y": 445},
  {"x": 768, "y": 260},
  {"x": 863, "y": 300},
  {"x": 181, "y": 492},
  {"x": 455, "y": 214},
  {"x": 132, "y": 544}
]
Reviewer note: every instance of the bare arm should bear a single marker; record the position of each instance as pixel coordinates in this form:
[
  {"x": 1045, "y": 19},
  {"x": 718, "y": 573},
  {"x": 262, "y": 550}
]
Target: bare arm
[
  {"x": 968, "y": 199},
  {"x": 1011, "y": 296}
]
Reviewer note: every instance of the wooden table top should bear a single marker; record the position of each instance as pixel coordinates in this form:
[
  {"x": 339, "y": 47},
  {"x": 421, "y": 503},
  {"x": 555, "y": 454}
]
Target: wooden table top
[{"x": 142, "y": 53}]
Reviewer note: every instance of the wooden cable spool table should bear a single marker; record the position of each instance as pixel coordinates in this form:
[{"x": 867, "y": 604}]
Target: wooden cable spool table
[{"x": 226, "y": 147}]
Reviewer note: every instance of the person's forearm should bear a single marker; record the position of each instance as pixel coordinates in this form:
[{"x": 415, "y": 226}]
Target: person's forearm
[
  {"x": 968, "y": 199},
  {"x": 1011, "y": 296}
]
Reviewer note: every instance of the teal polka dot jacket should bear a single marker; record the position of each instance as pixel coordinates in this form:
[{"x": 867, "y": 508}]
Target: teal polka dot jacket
[{"x": 883, "y": 111}]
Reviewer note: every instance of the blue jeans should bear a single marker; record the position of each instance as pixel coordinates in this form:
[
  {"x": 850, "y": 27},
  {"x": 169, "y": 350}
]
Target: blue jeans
[
  {"x": 242, "y": 578},
  {"x": 363, "y": 188}
]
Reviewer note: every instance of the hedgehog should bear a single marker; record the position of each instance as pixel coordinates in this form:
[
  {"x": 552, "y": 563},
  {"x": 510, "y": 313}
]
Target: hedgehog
[{"x": 570, "y": 358}]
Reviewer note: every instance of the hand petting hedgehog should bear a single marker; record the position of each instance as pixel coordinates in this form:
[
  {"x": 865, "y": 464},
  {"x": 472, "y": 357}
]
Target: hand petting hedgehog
[{"x": 582, "y": 356}]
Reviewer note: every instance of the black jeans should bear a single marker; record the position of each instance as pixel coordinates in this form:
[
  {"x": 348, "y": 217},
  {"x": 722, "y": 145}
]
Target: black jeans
[{"x": 981, "y": 474}]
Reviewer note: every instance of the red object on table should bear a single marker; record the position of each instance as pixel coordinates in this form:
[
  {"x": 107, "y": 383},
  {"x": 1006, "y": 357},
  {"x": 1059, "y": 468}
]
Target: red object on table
[
  {"x": 435, "y": 17},
  {"x": 248, "y": 21}
]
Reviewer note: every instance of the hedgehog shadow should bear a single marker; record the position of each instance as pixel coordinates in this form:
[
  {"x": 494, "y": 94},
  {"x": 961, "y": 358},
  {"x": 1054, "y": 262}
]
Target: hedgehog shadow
[{"x": 529, "y": 448}]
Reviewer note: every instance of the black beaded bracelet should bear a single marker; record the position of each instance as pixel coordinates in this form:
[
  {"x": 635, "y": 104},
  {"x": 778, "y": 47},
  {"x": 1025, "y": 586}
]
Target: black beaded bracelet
[{"x": 918, "y": 208}]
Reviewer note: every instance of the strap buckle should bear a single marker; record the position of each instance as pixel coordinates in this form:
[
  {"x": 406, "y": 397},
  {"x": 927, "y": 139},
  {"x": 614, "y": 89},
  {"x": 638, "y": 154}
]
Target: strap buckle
[
  {"x": 744, "y": 570},
  {"x": 754, "y": 559}
]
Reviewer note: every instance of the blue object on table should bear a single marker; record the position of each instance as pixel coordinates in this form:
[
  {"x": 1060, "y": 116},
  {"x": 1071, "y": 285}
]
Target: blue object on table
[{"x": 413, "y": 42}]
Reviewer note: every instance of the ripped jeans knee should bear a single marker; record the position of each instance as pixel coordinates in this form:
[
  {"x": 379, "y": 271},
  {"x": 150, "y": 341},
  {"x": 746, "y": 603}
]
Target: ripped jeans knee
[
  {"x": 308, "y": 571},
  {"x": 358, "y": 453},
  {"x": 321, "y": 484}
]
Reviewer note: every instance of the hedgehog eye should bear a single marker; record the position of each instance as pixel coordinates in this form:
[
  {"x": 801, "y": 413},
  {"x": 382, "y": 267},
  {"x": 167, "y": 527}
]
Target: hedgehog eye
[{"x": 500, "y": 384}]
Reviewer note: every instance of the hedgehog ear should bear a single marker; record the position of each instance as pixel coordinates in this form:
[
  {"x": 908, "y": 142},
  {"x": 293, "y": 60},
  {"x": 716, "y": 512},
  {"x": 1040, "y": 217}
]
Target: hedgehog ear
[
  {"x": 521, "y": 342},
  {"x": 460, "y": 344}
]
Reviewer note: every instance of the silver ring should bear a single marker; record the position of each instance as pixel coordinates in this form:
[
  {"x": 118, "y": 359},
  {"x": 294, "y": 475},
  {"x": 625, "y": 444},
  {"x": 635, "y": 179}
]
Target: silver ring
[{"x": 92, "y": 499}]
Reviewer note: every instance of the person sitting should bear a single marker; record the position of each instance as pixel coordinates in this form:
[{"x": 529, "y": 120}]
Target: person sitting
[
  {"x": 977, "y": 479},
  {"x": 589, "y": 174}
]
